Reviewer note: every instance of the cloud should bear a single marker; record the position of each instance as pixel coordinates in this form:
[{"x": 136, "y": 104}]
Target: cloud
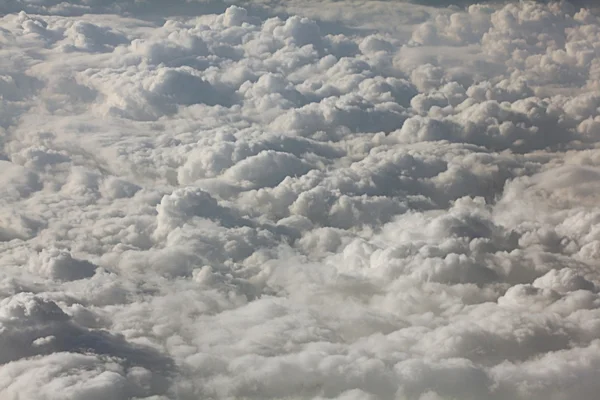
[{"x": 300, "y": 199}]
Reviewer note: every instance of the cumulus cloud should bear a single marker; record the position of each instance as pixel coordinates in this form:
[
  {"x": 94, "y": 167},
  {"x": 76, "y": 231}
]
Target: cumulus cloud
[{"x": 299, "y": 199}]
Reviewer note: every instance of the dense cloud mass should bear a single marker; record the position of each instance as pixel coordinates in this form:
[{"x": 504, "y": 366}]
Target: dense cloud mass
[{"x": 299, "y": 200}]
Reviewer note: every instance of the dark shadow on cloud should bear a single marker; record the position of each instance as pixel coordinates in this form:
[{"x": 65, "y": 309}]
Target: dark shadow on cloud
[
  {"x": 185, "y": 89},
  {"x": 158, "y": 9},
  {"x": 39, "y": 327},
  {"x": 149, "y": 9},
  {"x": 465, "y": 3}
]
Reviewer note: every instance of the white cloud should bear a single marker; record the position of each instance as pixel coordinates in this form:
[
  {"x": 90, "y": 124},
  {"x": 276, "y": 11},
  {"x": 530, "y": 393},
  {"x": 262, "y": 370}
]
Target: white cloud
[{"x": 300, "y": 199}]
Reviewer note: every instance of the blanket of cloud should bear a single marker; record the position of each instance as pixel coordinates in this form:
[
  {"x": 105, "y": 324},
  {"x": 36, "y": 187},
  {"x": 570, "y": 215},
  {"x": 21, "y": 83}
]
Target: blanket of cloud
[{"x": 315, "y": 203}]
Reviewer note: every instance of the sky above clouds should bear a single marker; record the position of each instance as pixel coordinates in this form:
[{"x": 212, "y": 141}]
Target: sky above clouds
[{"x": 299, "y": 200}]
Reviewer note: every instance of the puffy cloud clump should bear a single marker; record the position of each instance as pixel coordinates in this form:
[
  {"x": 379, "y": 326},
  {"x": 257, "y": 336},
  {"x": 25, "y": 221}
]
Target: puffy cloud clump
[{"x": 307, "y": 200}]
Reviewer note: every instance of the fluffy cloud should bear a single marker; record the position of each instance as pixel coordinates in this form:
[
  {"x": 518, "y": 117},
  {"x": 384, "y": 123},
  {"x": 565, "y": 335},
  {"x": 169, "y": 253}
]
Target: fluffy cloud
[{"x": 353, "y": 200}]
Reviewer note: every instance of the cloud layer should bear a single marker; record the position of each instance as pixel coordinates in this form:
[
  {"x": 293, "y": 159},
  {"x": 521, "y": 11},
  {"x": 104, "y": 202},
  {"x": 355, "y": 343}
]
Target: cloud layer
[{"x": 291, "y": 200}]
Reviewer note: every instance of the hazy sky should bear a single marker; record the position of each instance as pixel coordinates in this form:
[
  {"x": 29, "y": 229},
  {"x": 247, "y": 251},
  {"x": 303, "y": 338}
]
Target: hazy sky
[{"x": 299, "y": 200}]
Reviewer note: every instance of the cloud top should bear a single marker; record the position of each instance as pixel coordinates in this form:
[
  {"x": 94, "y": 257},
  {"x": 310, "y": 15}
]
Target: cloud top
[{"x": 267, "y": 200}]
